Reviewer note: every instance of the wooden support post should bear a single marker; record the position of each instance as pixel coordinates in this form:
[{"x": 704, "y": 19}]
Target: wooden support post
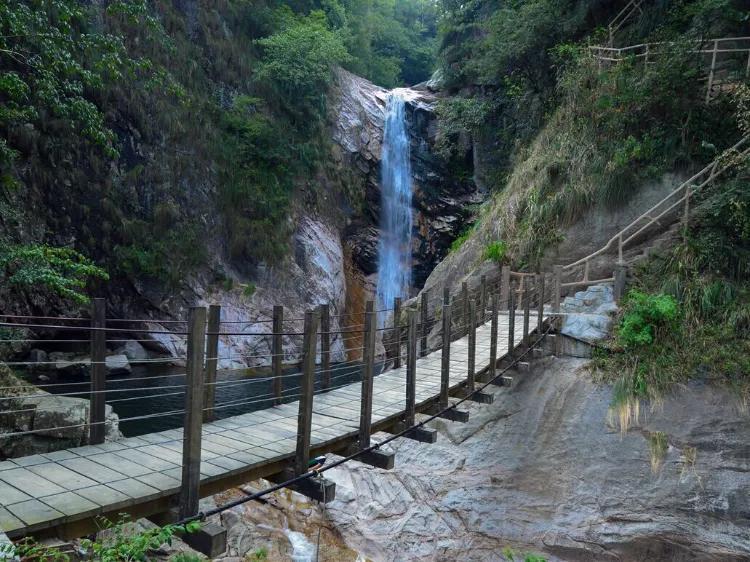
[
  {"x": 471, "y": 367},
  {"x": 482, "y": 298},
  {"x": 212, "y": 361},
  {"x": 619, "y": 249},
  {"x": 307, "y": 390},
  {"x": 480, "y": 397},
  {"x": 526, "y": 317},
  {"x": 445, "y": 365},
  {"x": 191, "y": 442},
  {"x": 504, "y": 286},
  {"x": 712, "y": 71},
  {"x": 277, "y": 352},
  {"x": 421, "y": 434},
  {"x": 464, "y": 328},
  {"x": 397, "y": 333},
  {"x": 493, "y": 337},
  {"x": 619, "y": 288},
  {"x": 556, "y": 297},
  {"x": 377, "y": 457},
  {"x": 325, "y": 345},
  {"x": 686, "y": 215},
  {"x": 540, "y": 303},
  {"x": 98, "y": 371},
  {"x": 445, "y": 362},
  {"x": 424, "y": 327},
  {"x": 511, "y": 324},
  {"x": 411, "y": 370},
  {"x": 368, "y": 371}
]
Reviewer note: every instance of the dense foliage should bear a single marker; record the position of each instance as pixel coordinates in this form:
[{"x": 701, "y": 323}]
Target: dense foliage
[
  {"x": 560, "y": 132},
  {"x": 113, "y": 117},
  {"x": 118, "y": 541}
]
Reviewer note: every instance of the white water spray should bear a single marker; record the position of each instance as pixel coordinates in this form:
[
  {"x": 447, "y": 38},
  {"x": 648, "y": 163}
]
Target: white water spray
[{"x": 394, "y": 247}]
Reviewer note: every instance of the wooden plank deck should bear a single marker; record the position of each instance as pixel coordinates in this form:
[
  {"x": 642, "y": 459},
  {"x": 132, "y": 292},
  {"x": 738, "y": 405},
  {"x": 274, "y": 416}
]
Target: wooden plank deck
[{"x": 141, "y": 474}]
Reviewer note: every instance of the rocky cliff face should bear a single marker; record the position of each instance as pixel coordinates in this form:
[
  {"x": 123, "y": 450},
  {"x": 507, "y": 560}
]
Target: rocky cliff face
[{"x": 441, "y": 202}]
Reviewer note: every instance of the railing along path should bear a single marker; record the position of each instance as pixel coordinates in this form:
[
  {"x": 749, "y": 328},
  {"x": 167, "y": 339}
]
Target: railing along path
[{"x": 422, "y": 359}]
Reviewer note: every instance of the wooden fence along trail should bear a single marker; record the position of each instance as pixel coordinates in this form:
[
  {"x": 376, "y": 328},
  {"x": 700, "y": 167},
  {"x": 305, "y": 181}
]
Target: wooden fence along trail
[{"x": 62, "y": 492}]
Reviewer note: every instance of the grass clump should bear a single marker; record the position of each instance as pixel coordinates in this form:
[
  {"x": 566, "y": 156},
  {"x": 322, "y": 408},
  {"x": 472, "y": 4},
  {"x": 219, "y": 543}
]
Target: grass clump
[
  {"x": 496, "y": 251},
  {"x": 459, "y": 241},
  {"x": 658, "y": 444},
  {"x": 512, "y": 556}
]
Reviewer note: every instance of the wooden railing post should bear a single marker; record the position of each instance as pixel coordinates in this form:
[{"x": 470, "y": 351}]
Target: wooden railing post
[
  {"x": 368, "y": 372},
  {"x": 277, "y": 352},
  {"x": 307, "y": 391},
  {"x": 556, "y": 297},
  {"x": 526, "y": 316},
  {"x": 97, "y": 400},
  {"x": 191, "y": 442},
  {"x": 397, "y": 332},
  {"x": 471, "y": 368},
  {"x": 445, "y": 363},
  {"x": 423, "y": 331},
  {"x": 686, "y": 215},
  {"x": 619, "y": 288},
  {"x": 540, "y": 303},
  {"x": 504, "y": 285},
  {"x": 712, "y": 71},
  {"x": 212, "y": 361},
  {"x": 511, "y": 323},
  {"x": 557, "y": 291},
  {"x": 482, "y": 297},
  {"x": 493, "y": 335},
  {"x": 325, "y": 345},
  {"x": 464, "y": 308},
  {"x": 411, "y": 370}
]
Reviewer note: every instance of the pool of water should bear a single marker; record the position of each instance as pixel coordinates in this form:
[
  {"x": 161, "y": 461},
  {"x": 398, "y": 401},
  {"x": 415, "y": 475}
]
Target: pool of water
[{"x": 152, "y": 397}]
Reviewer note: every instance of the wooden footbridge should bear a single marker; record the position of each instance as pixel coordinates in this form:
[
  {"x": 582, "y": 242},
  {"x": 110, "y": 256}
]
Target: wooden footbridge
[{"x": 62, "y": 492}]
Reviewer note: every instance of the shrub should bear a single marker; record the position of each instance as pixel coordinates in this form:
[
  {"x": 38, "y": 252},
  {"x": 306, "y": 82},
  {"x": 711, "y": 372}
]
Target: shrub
[
  {"x": 644, "y": 315},
  {"x": 495, "y": 251},
  {"x": 119, "y": 545},
  {"x": 61, "y": 271}
]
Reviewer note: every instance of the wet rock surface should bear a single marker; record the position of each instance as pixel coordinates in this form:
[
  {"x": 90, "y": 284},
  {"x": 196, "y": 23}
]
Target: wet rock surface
[{"x": 541, "y": 470}]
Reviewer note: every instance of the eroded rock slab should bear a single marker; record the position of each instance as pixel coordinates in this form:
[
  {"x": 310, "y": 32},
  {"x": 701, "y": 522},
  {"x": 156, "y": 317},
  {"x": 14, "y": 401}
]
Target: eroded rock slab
[{"x": 542, "y": 471}]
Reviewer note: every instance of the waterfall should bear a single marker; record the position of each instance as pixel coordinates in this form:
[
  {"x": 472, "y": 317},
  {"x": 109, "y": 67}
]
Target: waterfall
[{"x": 394, "y": 247}]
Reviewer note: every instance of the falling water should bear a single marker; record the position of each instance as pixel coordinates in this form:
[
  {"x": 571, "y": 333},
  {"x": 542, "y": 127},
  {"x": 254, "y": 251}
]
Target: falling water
[{"x": 394, "y": 248}]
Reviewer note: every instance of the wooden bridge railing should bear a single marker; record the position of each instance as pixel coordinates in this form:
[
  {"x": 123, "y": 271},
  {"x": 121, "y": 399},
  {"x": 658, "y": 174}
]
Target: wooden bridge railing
[{"x": 203, "y": 379}]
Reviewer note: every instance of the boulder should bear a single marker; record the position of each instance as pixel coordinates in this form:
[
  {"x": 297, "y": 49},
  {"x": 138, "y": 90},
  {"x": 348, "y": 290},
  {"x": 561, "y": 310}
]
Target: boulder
[
  {"x": 134, "y": 351},
  {"x": 590, "y": 313},
  {"x": 38, "y": 356},
  {"x": 70, "y": 366},
  {"x": 117, "y": 365},
  {"x": 59, "y": 422}
]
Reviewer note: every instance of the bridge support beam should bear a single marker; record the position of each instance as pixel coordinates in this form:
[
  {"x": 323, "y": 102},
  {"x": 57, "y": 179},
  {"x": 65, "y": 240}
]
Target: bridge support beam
[
  {"x": 453, "y": 415},
  {"x": 210, "y": 539},
  {"x": 316, "y": 488}
]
